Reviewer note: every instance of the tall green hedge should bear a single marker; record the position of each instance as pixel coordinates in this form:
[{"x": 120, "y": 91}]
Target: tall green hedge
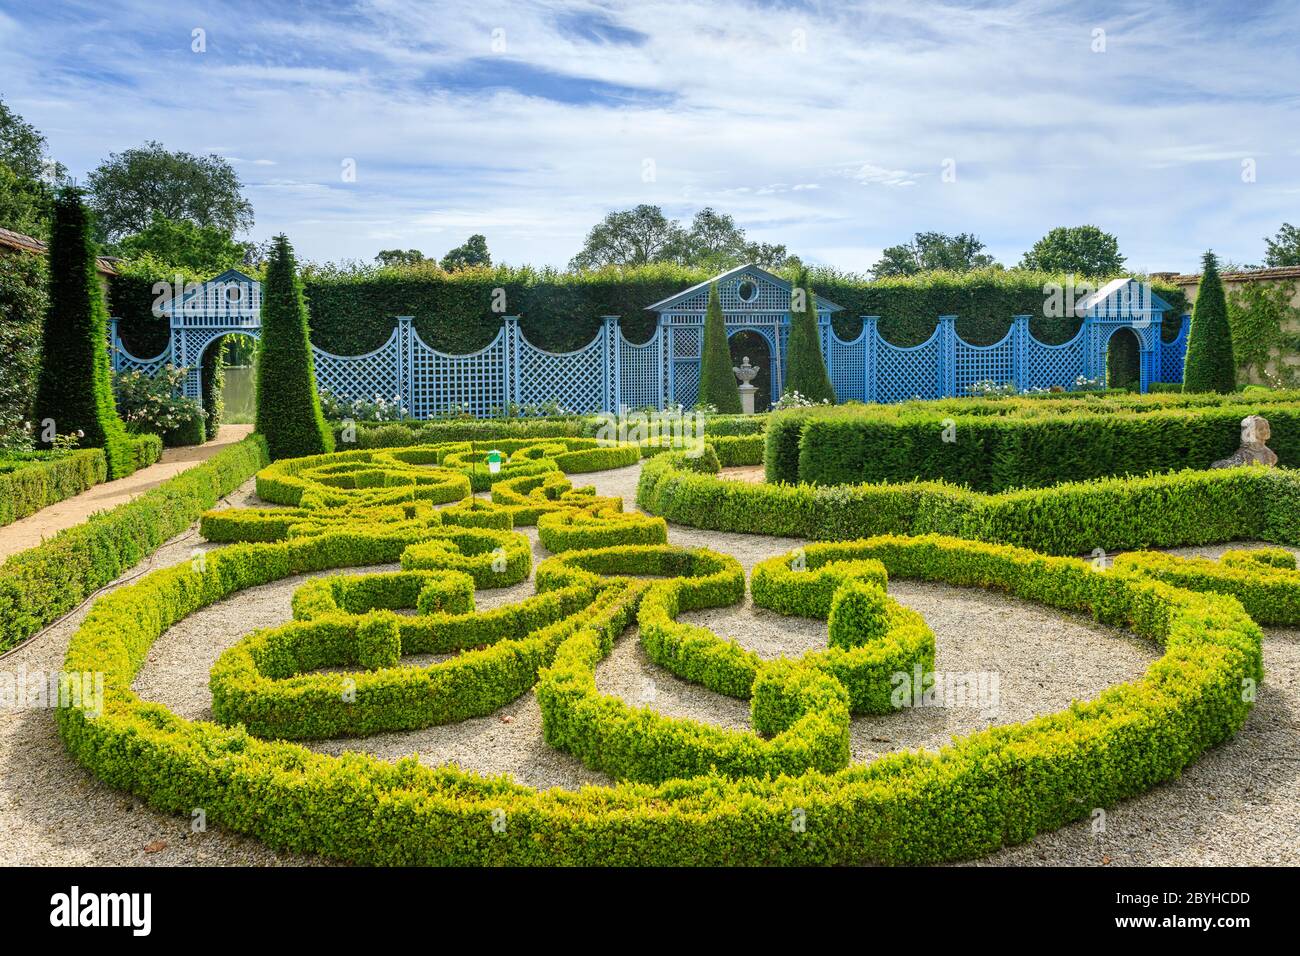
[
  {"x": 75, "y": 386},
  {"x": 717, "y": 382},
  {"x": 352, "y": 312},
  {"x": 23, "y": 297},
  {"x": 805, "y": 366},
  {"x": 1208, "y": 365},
  {"x": 288, "y": 406}
]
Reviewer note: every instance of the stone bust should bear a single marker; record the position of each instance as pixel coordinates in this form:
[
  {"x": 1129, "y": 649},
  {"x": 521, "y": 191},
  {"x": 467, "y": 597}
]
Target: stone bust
[{"x": 1254, "y": 433}]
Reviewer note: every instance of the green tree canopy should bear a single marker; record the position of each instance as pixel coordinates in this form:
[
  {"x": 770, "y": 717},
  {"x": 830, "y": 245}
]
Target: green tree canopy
[
  {"x": 644, "y": 235},
  {"x": 1080, "y": 250},
  {"x": 932, "y": 251},
  {"x": 399, "y": 257},
  {"x": 27, "y": 177},
  {"x": 132, "y": 188},
  {"x": 199, "y": 249},
  {"x": 288, "y": 406},
  {"x": 1209, "y": 365},
  {"x": 1283, "y": 248},
  {"x": 474, "y": 252}
]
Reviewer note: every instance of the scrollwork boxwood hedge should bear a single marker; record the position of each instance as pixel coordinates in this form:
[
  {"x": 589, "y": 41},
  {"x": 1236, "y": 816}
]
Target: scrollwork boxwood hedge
[
  {"x": 34, "y": 481},
  {"x": 1165, "y": 510},
  {"x": 992, "y": 788}
]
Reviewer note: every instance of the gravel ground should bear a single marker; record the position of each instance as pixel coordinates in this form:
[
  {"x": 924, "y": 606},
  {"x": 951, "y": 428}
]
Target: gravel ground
[{"x": 1240, "y": 804}]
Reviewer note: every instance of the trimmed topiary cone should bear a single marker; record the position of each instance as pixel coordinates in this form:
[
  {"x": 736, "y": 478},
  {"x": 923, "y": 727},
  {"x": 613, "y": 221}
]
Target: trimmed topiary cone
[
  {"x": 717, "y": 382},
  {"x": 288, "y": 406},
  {"x": 1209, "y": 365},
  {"x": 807, "y": 373},
  {"x": 74, "y": 390}
]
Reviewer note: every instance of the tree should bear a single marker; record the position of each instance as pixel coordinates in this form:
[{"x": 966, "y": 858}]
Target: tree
[
  {"x": 27, "y": 177},
  {"x": 186, "y": 246},
  {"x": 399, "y": 257},
  {"x": 288, "y": 406},
  {"x": 930, "y": 251},
  {"x": 806, "y": 373},
  {"x": 473, "y": 253},
  {"x": 1081, "y": 250},
  {"x": 74, "y": 391},
  {"x": 714, "y": 240},
  {"x": 632, "y": 237},
  {"x": 132, "y": 188},
  {"x": 717, "y": 382},
  {"x": 1209, "y": 365},
  {"x": 1284, "y": 248}
]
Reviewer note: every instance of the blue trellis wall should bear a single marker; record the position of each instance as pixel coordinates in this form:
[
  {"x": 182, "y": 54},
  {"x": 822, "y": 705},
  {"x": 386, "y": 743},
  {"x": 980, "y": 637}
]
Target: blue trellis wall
[{"x": 611, "y": 373}]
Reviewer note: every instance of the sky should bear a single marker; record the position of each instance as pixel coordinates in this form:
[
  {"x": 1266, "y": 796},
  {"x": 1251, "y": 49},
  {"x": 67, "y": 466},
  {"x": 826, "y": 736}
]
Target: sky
[{"x": 835, "y": 128}]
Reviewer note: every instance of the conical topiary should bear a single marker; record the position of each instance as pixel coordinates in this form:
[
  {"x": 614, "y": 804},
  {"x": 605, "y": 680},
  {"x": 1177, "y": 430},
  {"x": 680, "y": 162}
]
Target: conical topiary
[
  {"x": 288, "y": 407},
  {"x": 1209, "y": 365},
  {"x": 805, "y": 367},
  {"x": 74, "y": 391},
  {"x": 717, "y": 382}
]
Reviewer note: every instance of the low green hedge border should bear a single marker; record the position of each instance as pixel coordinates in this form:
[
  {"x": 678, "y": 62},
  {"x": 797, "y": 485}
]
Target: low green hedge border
[
  {"x": 1168, "y": 510},
  {"x": 39, "y": 585},
  {"x": 1264, "y": 580},
  {"x": 28, "y": 484},
  {"x": 993, "y": 788},
  {"x": 263, "y": 684}
]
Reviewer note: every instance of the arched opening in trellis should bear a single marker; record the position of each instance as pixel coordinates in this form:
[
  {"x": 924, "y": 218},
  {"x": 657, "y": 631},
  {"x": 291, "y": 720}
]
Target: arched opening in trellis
[
  {"x": 746, "y": 343},
  {"x": 229, "y": 378},
  {"x": 1123, "y": 359}
]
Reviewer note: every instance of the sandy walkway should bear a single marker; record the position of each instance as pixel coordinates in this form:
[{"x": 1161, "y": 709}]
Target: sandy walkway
[{"x": 30, "y": 531}]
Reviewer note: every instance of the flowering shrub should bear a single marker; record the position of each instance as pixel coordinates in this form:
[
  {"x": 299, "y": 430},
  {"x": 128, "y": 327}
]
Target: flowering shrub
[
  {"x": 360, "y": 410},
  {"x": 154, "y": 403},
  {"x": 1085, "y": 384},
  {"x": 987, "y": 388},
  {"x": 793, "y": 399}
]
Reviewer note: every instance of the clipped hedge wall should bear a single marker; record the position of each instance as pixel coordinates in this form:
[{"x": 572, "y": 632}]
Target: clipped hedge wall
[
  {"x": 353, "y": 313},
  {"x": 39, "y": 585},
  {"x": 998, "y": 452}
]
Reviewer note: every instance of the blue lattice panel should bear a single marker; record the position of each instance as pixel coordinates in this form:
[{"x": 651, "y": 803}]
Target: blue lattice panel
[
  {"x": 361, "y": 377},
  {"x": 848, "y": 367},
  {"x": 1172, "y": 355},
  {"x": 984, "y": 363},
  {"x": 1056, "y": 364},
  {"x": 687, "y": 340},
  {"x": 124, "y": 361},
  {"x": 686, "y": 382},
  {"x": 443, "y": 384},
  {"x": 904, "y": 373},
  {"x": 641, "y": 381},
  {"x": 573, "y": 379}
]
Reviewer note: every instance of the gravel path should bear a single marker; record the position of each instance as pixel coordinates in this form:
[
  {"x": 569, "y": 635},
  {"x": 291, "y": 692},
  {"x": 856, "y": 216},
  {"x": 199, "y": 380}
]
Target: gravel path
[{"x": 1240, "y": 804}]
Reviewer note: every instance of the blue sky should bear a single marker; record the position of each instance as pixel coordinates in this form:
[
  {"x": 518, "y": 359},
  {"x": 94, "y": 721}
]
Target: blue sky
[{"x": 827, "y": 127}]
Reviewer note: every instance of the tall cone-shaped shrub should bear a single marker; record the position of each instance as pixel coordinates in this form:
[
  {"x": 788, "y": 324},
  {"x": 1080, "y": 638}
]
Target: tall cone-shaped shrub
[
  {"x": 805, "y": 368},
  {"x": 717, "y": 382},
  {"x": 74, "y": 391},
  {"x": 288, "y": 407},
  {"x": 1209, "y": 365}
]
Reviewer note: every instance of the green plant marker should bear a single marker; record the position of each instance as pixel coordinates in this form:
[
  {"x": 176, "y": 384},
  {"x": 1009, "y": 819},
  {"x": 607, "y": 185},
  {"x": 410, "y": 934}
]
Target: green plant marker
[{"x": 494, "y": 461}]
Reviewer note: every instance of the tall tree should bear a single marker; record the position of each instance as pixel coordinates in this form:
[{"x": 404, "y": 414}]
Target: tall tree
[
  {"x": 74, "y": 392},
  {"x": 399, "y": 257},
  {"x": 930, "y": 251},
  {"x": 474, "y": 252},
  {"x": 133, "y": 187},
  {"x": 183, "y": 245},
  {"x": 28, "y": 177},
  {"x": 1209, "y": 365},
  {"x": 1283, "y": 248},
  {"x": 288, "y": 406},
  {"x": 718, "y": 385},
  {"x": 631, "y": 237},
  {"x": 806, "y": 367},
  {"x": 1081, "y": 250}
]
